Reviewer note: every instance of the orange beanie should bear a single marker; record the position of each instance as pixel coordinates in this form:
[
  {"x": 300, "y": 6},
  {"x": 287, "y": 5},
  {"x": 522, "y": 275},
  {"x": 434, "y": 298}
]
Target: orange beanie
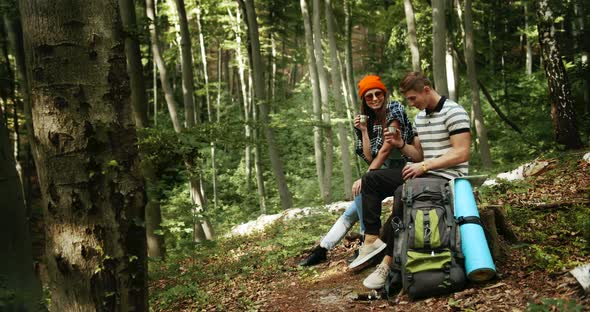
[{"x": 370, "y": 82}]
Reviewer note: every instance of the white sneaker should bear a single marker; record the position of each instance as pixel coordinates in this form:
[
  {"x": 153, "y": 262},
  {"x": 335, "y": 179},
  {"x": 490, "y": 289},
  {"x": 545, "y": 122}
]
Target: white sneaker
[
  {"x": 376, "y": 280},
  {"x": 368, "y": 251}
]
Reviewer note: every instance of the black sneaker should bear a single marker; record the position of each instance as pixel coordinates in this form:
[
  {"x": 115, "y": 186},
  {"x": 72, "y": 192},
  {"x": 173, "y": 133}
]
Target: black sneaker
[{"x": 318, "y": 254}]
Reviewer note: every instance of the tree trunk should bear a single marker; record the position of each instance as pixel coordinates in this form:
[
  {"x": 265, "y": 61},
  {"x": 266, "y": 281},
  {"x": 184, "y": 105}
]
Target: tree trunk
[
  {"x": 86, "y": 156},
  {"x": 134, "y": 67},
  {"x": 583, "y": 44},
  {"x": 482, "y": 133},
  {"x": 439, "y": 46},
  {"x": 413, "y": 39},
  {"x": 16, "y": 270},
  {"x": 562, "y": 103},
  {"x": 204, "y": 62},
  {"x": 153, "y": 214},
  {"x": 258, "y": 168},
  {"x": 202, "y": 229},
  {"x": 159, "y": 60},
  {"x": 242, "y": 81},
  {"x": 317, "y": 106},
  {"x": 450, "y": 68},
  {"x": 528, "y": 48},
  {"x": 188, "y": 80},
  {"x": 260, "y": 96},
  {"x": 15, "y": 38},
  {"x": 338, "y": 102},
  {"x": 348, "y": 53},
  {"x": 325, "y": 99}
]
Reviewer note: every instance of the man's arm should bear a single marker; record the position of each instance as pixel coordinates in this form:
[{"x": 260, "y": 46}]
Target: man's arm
[{"x": 459, "y": 152}]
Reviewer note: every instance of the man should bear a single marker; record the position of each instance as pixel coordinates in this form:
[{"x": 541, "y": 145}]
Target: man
[{"x": 443, "y": 130}]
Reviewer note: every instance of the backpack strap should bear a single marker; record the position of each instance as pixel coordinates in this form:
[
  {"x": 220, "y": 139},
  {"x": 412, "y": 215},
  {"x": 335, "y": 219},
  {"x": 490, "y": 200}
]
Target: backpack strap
[{"x": 471, "y": 219}]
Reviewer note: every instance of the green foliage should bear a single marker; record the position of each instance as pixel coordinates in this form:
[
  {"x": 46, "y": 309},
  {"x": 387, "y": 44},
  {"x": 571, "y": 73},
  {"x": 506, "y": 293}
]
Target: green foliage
[{"x": 553, "y": 304}]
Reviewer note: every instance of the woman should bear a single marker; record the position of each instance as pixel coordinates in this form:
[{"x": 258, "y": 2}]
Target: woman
[{"x": 376, "y": 116}]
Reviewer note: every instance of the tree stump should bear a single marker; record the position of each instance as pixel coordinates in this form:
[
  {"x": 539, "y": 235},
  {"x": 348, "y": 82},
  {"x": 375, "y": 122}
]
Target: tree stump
[{"x": 497, "y": 229}]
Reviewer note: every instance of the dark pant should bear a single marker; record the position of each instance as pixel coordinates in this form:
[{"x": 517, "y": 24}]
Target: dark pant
[{"x": 376, "y": 186}]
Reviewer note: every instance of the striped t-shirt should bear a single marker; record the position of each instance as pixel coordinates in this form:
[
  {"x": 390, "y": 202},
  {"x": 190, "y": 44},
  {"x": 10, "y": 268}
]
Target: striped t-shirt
[{"x": 434, "y": 130}]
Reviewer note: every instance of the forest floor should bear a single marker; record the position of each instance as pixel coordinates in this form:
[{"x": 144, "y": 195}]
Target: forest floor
[{"x": 548, "y": 212}]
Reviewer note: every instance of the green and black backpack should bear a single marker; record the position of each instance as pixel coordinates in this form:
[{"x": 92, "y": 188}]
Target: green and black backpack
[{"x": 427, "y": 248}]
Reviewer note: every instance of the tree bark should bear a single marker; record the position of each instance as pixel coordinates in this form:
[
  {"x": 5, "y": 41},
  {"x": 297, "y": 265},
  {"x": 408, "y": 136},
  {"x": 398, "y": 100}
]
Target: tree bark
[
  {"x": 159, "y": 60},
  {"x": 325, "y": 99},
  {"x": 562, "y": 104},
  {"x": 134, "y": 67},
  {"x": 204, "y": 63},
  {"x": 338, "y": 102},
  {"x": 450, "y": 68},
  {"x": 87, "y": 158},
  {"x": 15, "y": 39},
  {"x": 412, "y": 38},
  {"x": 482, "y": 133},
  {"x": 260, "y": 96},
  {"x": 528, "y": 48},
  {"x": 348, "y": 54},
  {"x": 317, "y": 106},
  {"x": 188, "y": 79},
  {"x": 153, "y": 214},
  {"x": 439, "y": 35},
  {"x": 16, "y": 270}
]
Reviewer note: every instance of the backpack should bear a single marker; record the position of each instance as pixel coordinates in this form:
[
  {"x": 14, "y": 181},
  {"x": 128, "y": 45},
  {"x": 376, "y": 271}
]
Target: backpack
[{"x": 427, "y": 245}]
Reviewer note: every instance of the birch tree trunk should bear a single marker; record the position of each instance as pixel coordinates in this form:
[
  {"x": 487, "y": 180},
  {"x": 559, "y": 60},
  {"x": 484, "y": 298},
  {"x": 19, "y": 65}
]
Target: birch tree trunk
[
  {"x": 317, "y": 106},
  {"x": 260, "y": 96},
  {"x": 413, "y": 39},
  {"x": 16, "y": 270},
  {"x": 159, "y": 60},
  {"x": 562, "y": 104},
  {"x": 325, "y": 99},
  {"x": 439, "y": 46},
  {"x": 87, "y": 156},
  {"x": 482, "y": 133},
  {"x": 339, "y": 102}
]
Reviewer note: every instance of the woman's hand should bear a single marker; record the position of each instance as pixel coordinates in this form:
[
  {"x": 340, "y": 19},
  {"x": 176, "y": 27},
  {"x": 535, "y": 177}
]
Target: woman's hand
[
  {"x": 356, "y": 187},
  {"x": 358, "y": 124},
  {"x": 393, "y": 138},
  {"x": 412, "y": 170}
]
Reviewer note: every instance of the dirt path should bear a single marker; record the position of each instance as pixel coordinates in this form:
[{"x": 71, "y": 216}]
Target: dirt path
[{"x": 334, "y": 287}]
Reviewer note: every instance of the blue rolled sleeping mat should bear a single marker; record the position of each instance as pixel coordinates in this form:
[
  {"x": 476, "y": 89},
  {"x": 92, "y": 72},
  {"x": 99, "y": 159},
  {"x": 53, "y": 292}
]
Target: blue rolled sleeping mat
[{"x": 479, "y": 264}]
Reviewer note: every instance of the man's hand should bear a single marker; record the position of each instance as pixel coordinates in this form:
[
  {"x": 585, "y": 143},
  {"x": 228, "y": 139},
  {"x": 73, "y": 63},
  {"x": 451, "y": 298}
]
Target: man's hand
[
  {"x": 356, "y": 187},
  {"x": 412, "y": 170}
]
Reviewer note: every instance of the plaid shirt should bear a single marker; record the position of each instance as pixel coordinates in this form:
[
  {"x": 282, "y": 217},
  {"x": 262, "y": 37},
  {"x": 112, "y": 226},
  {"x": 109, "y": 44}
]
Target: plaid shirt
[{"x": 394, "y": 111}]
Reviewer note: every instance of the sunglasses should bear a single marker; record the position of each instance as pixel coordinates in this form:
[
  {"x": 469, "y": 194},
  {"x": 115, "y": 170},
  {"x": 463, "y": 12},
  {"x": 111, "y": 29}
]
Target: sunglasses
[{"x": 371, "y": 96}]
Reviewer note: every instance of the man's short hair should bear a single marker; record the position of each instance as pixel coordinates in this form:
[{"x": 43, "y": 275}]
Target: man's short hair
[{"x": 413, "y": 81}]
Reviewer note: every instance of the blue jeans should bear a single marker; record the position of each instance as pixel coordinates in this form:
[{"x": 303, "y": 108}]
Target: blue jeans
[{"x": 351, "y": 215}]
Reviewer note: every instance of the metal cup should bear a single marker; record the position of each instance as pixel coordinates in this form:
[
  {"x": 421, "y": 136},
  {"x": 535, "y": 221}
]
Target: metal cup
[{"x": 363, "y": 118}]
